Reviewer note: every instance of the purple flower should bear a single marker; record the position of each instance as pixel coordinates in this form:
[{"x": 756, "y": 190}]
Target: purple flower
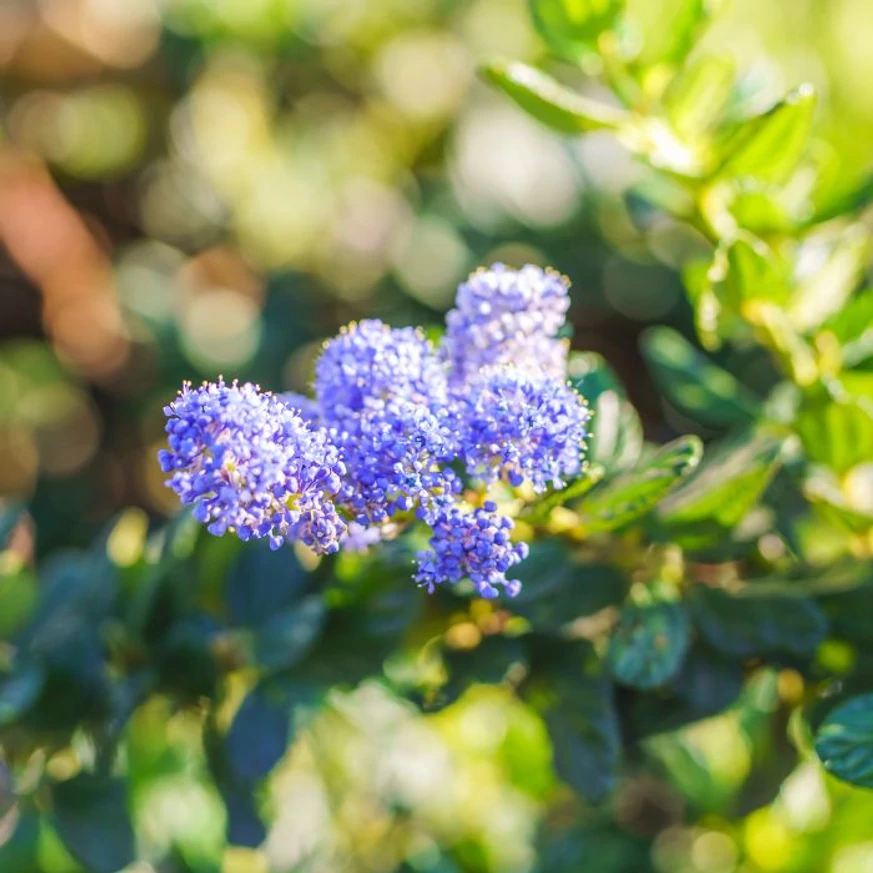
[
  {"x": 505, "y": 316},
  {"x": 249, "y": 464},
  {"x": 370, "y": 363},
  {"x": 472, "y": 545},
  {"x": 395, "y": 456},
  {"x": 308, "y": 408},
  {"x": 522, "y": 426}
]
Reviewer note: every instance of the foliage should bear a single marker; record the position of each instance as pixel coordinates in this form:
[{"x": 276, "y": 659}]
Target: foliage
[{"x": 726, "y": 572}]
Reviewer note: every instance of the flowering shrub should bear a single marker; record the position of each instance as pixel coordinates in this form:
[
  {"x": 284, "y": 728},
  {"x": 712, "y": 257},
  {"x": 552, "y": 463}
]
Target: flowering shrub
[{"x": 485, "y": 511}]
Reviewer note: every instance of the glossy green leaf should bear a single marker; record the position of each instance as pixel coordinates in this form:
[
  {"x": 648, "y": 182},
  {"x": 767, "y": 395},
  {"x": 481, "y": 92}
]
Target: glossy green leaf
[
  {"x": 616, "y": 430},
  {"x": 262, "y": 581},
  {"x": 262, "y": 728},
  {"x": 580, "y": 714},
  {"x": 548, "y": 101},
  {"x": 284, "y": 639},
  {"x": 556, "y": 589},
  {"x": 19, "y": 691},
  {"x": 746, "y": 625},
  {"x": 698, "y": 95},
  {"x": 728, "y": 483},
  {"x": 631, "y": 495},
  {"x": 770, "y": 146},
  {"x": 853, "y": 321},
  {"x": 91, "y": 818},
  {"x": 570, "y": 28},
  {"x": 754, "y": 272},
  {"x": 825, "y": 292},
  {"x": 671, "y": 28},
  {"x": 693, "y": 384},
  {"x": 591, "y": 476},
  {"x": 844, "y": 742},
  {"x": 649, "y": 644},
  {"x": 836, "y": 432}
]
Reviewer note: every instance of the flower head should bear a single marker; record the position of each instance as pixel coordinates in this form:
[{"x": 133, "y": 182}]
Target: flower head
[
  {"x": 395, "y": 457},
  {"x": 505, "y": 316},
  {"x": 522, "y": 426},
  {"x": 473, "y": 545},
  {"x": 369, "y": 363},
  {"x": 248, "y": 463}
]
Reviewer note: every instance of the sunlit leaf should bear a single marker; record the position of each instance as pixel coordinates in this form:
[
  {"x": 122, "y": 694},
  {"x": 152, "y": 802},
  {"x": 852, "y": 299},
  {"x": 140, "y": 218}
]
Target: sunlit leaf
[
  {"x": 616, "y": 430},
  {"x": 827, "y": 289},
  {"x": 729, "y": 482},
  {"x": 550, "y": 102},
  {"x": 693, "y": 384},
  {"x": 632, "y": 495},
  {"x": 571, "y": 28},
  {"x": 770, "y": 146},
  {"x": 836, "y": 432},
  {"x": 699, "y": 93}
]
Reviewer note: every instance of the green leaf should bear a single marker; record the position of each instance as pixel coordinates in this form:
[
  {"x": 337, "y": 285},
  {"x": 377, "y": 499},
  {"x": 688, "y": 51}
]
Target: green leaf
[
  {"x": 698, "y": 95},
  {"x": 693, "y": 384},
  {"x": 616, "y": 430},
  {"x": 262, "y": 582},
  {"x": 570, "y": 28},
  {"x": 853, "y": 321},
  {"x": 497, "y": 659},
  {"x": 844, "y": 742},
  {"x": 90, "y": 816},
  {"x": 836, "y": 432},
  {"x": 670, "y": 28},
  {"x": 825, "y": 292},
  {"x": 848, "y": 201},
  {"x": 556, "y": 589},
  {"x": 770, "y": 146},
  {"x": 579, "y": 711},
  {"x": 19, "y": 691},
  {"x": 751, "y": 625},
  {"x": 10, "y": 515},
  {"x": 754, "y": 272},
  {"x": 261, "y": 730},
  {"x": 649, "y": 644},
  {"x": 548, "y": 101},
  {"x": 19, "y": 851},
  {"x": 285, "y": 639},
  {"x": 728, "y": 484},
  {"x": 591, "y": 476},
  {"x": 632, "y": 495}
]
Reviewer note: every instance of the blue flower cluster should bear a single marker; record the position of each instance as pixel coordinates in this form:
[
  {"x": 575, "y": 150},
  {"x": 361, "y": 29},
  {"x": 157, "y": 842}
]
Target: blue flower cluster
[{"x": 392, "y": 422}]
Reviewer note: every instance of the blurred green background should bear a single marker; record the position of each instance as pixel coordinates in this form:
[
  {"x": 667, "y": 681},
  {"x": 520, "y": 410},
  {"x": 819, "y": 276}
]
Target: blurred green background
[{"x": 195, "y": 187}]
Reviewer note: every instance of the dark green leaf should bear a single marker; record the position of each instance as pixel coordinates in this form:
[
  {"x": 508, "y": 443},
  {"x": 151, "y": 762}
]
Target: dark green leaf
[
  {"x": 845, "y": 741},
  {"x": 770, "y": 146},
  {"x": 648, "y": 646},
  {"x": 10, "y": 515},
  {"x": 19, "y": 691},
  {"x": 747, "y": 626},
  {"x": 262, "y": 582},
  {"x": 630, "y": 496},
  {"x": 570, "y": 28},
  {"x": 244, "y": 825},
  {"x": 262, "y": 727},
  {"x": 728, "y": 484},
  {"x": 591, "y": 475},
  {"x": 616, "y": 431},
  {"x": 548, "y": 101},
  {"x": 693, "y": 384},
  {"x": 556, "y": 589},
  {"x": 90, "y": 816},
  {"x": 286, "y": 637},
  {"x": 580, "y": 715},
  {"x": 19, "y": 852}
]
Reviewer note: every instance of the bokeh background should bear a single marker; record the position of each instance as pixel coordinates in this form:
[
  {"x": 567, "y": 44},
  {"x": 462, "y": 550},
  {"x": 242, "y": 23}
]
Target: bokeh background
[{"x": 195, "y": 187}]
